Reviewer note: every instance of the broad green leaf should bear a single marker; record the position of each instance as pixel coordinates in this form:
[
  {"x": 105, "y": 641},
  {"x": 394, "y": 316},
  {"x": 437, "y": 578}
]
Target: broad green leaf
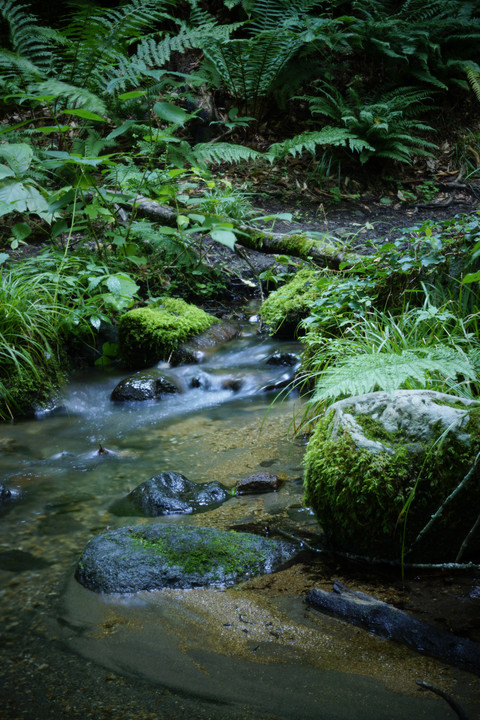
[
  {"x": 132, "y": 94},
  {"x": 3, "y": 257},
  {"x": 21, "y": 231},
  {"x": 121, "y": 129},
  {"x": 18, "y": 156},
  {"x": 5, "y": 171},
  {"x": 171, "y": 113},
  {"x": 121, "y": 284},
  {"x": 95, "y": 321},
  {"x": 225, "y": 237},
  {"x": 85, "y": 114}
]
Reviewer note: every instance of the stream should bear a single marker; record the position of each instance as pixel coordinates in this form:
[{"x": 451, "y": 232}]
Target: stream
[{"x": 254, "y": 651}]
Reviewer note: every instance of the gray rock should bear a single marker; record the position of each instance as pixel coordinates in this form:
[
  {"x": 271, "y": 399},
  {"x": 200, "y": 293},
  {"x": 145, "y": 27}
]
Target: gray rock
[
  {"x": 144, "y": 385},
  {"x": 258, "y": 483},
  {"x": 171, "y": 493},
  {"x": 152, "y": 557},
  {"x": 194, "y": 349},
  {"x": 415, "y": 414}
]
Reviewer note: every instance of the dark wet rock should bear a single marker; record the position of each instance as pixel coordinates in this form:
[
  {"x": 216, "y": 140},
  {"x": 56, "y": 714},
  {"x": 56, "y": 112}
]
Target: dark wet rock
[
  {"x": 151, "y": 557},
  {"x": 19, "y": 561},
  {"x": 234, "y": 384},
  {"x": 171, "y": 493},
  {"x": 283, "y": 358},
  {"x": 280, "y": 383},
  {"x": 194, "y": 349},
  {"x": 144, "y": 385},
  {"x": 258, "y": 483},
  {"x": 5, "y": 493}
]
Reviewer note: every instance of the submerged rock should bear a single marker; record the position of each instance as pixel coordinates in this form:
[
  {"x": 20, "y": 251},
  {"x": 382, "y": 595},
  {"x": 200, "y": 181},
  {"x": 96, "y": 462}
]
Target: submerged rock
[
  {"x": 171, "y": 493},
  {"x": 152, "y": 557},
  {"x": 5, "y": 493},
  {"x": 146, "y": 385},
  {"x": 258, "y": 483},
  {"x": 371, "y": 454}
]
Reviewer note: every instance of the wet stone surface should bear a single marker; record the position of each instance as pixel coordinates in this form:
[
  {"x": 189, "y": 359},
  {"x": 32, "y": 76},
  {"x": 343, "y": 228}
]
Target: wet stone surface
[{"x": 171, "y": 494}]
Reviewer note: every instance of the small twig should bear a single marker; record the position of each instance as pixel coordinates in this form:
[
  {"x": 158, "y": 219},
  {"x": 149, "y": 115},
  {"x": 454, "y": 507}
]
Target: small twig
[
  {"x": 295, "y": 539},
  {"x": 453, "y": 703},
  {"x": 439, "y": 514},
  {"x": 468, "y": 539}
]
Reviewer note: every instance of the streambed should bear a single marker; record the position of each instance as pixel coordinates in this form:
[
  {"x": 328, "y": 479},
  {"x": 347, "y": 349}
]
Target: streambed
[{"x": 252, "y": 651}]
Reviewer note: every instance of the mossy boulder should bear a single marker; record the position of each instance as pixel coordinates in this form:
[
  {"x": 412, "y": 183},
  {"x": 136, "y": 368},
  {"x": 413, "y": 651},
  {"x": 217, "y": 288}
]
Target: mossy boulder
[
  {"x": 157, "y": 556},
  {"x": 23, "y": 394},
  {"x": 370, "y": 453},
  {"x": 285, "y": 308},
  {"x": 150, "y": 334}
]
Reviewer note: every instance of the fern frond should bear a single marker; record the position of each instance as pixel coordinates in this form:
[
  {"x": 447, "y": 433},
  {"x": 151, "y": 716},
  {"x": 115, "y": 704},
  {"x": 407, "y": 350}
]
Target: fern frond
[
  {"x": 389, "y": 371},
  {"x": 474, "y": 80},
  {"x": 25, "y": 38},
  {"x": 223, "y": 152},
  {"x": 71, "y": 95},
  {"x": 309, "y": 141}
]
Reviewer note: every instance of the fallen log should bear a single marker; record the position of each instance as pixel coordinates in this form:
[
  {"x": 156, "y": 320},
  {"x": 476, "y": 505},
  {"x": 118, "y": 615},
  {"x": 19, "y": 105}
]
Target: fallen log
[
  {"x": 325, "y": 253},
  {"x": 393, "y": 624}
]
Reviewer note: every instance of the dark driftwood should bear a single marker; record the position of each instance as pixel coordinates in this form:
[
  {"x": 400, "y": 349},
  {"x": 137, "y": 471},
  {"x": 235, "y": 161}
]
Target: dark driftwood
[{"x": 394, "y": 624}]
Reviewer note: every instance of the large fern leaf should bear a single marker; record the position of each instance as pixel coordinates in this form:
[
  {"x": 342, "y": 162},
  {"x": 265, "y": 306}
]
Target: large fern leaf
[
  {"x": 359, "y": 374},
  {"x": 223, "y": 152},
  {"x": 309, "y": 141}
]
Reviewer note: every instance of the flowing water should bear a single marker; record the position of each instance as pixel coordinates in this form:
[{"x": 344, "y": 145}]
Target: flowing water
[{"x": 254, "y": 651}]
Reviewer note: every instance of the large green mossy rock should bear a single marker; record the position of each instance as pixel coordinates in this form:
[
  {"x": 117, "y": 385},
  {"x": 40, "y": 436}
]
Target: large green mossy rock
[
  {"x": 148, "y": 335},
  {"x": 285, "y": 308},
  {"x": 367, "y": 456},
  {"x": 151, "y": 557}
]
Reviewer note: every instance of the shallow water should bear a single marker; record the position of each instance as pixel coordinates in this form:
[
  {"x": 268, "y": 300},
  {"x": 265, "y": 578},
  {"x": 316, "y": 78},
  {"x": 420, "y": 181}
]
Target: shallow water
[{"x": 241, "y": 652}]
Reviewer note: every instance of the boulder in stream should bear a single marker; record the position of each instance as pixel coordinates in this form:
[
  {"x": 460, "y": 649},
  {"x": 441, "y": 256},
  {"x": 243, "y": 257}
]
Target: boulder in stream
[
  {"x": 150, "y": 334},
  {"x": 144, "y": 385},
  {"x": 371, "y": 454},
  {"x": 257, "y": 483},
  {"x": 171, "y": 493},
  {"x": 128, "y": 560}
]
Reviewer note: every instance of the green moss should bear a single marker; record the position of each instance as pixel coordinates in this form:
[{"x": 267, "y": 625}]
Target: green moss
[
  {"x": 22, "y": 394},
  {"x": 358, "y": 496},
  {"x": 148, "y": 335},
  {"x": 284, "y": 308},
  {"x": 298, "y": 245},
  {"x": 235, "y": 553}
]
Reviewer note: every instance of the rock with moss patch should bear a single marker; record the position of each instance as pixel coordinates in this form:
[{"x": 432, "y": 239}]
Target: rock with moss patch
[
  {"x": 144, "y": 385},
  {"x": 370, "y": 454},
  {"x": 171, "y": 493},
  {"x": 285, "y": 308},
  {"x": 127, "y": 560},
  {"x": 148, "y": 335}
]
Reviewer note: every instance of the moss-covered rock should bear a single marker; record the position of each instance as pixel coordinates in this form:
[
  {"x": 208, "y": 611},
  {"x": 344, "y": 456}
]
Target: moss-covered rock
[
  {"x": 284, "y": 308},
  {"x": 148, "y": 335},
  {"x": 367, "y": 456},
  {"x": 27, "y": 392},
  {"x": 157, "y": 556}
]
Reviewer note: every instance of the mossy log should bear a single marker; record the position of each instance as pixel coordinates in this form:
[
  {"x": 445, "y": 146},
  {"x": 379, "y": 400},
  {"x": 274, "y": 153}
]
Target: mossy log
[
  {"x": 389, "y": 622},
  {"x": 322, "y": 252}
]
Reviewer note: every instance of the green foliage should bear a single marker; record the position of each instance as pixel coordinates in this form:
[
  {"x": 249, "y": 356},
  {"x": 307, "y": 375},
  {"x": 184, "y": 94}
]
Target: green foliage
[{"x": 383, "y": 127}]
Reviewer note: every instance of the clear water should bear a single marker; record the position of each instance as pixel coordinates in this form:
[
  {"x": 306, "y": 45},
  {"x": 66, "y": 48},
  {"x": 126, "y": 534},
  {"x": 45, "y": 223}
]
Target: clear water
[{"x": 242, "y": 648}]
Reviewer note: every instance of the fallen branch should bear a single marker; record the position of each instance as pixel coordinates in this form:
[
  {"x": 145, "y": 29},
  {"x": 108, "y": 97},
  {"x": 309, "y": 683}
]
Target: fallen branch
[
  {"x": 389, "y": 622},
  {"x": 322, "y": 252},
  {"x": 448, "y": 698}
]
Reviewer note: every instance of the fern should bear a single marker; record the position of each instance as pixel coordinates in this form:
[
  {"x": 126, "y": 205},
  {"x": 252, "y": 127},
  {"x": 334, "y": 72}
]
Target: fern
[
  {"x": 26, "y": 38},
  {"x": 309, "y": 141},
  {"x": 389, "y": 371},
  {"x": 474, "y": 79},
  {"x": 223, "y": 152}
]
